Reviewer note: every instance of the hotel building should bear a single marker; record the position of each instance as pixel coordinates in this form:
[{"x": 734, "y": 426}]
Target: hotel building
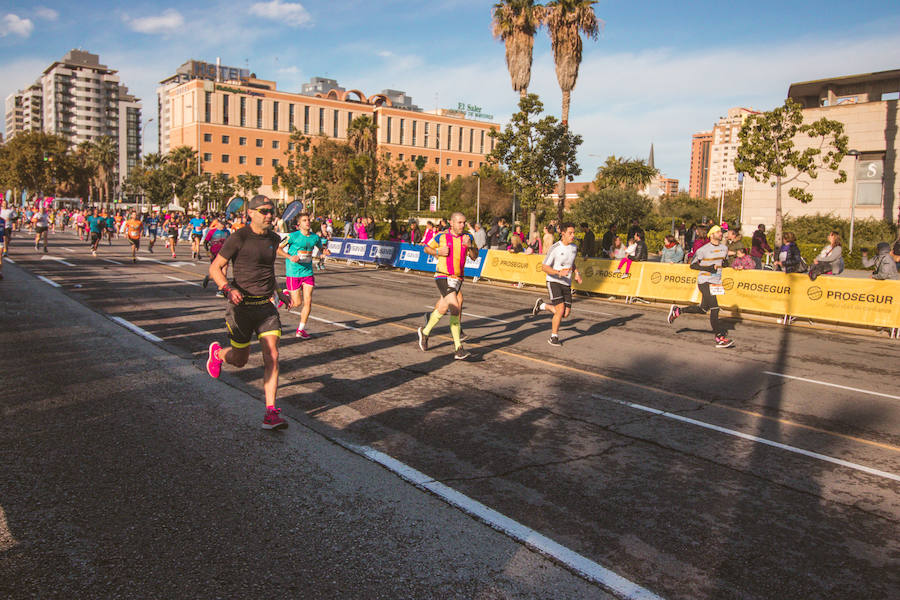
[
  {"x": 713, "y": 153},
  {"x": 243, "y": 125},
  {"x": 867, "y": 105},
  {"x": 80, "y": 99}
]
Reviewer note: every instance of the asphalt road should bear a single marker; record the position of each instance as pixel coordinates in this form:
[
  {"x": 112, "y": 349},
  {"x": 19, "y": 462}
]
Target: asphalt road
[{"x": 693, "y": 471}]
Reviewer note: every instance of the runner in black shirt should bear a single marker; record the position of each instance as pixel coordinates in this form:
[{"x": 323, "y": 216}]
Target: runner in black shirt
[{"x": 252, "y": 251}]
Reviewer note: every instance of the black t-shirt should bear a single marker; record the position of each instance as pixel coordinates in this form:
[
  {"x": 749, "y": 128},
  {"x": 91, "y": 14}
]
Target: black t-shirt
[{"x": 253, "y": 257}]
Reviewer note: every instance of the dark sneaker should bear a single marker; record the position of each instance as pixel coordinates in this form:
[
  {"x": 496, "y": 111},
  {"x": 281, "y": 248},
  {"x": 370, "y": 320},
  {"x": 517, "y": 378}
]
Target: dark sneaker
[
  {"x": 813, "y": 275},
  {"x": 273, "y": 419},
  {"x": 461, "y": 354},
  {"x": 674, "y": 313},
  {"x": 723, "y": 342},
  {"x": 554, "y": 341},
  {"x": 213, "y": 362},
  {"x": 206, "y": 281},
  {"x": 537, "y": 307},
  {"x": 423, "y": 340}
]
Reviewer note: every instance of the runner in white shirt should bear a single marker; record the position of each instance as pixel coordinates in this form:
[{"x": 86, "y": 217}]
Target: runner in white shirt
[{"x": 559, "y": 265}]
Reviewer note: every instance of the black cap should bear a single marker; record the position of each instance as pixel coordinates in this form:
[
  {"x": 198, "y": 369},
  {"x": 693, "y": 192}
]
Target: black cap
[{"x": 260, "y": 200}]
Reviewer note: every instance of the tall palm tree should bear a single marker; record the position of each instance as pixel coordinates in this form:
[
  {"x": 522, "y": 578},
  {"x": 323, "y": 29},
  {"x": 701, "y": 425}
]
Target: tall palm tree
[
  {"x": 566, "y": 20},
  {"x": 85, "y": 155},
  {"x": 515, "y": 22},
  {"x": 105, "y": 155}
]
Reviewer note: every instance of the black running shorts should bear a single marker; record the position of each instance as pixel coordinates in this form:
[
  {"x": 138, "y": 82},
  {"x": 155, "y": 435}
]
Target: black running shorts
[
  {"x": 445, "y": 287},
  {"x": 256, "y": 315},
  {"x": 559, "y": 293},
  {"x": 95, "y": 236},
  {"x": 135, "y": 242}
]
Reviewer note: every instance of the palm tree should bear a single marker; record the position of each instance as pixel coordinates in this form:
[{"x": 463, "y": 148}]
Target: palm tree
[
  {"x": 515, "y": 22},
  {"x": 566, "y": 20},
  {"x": 363, "y": 141},
  {"x": 105, "y": 156},
  {"x": 85, "y": 156}
]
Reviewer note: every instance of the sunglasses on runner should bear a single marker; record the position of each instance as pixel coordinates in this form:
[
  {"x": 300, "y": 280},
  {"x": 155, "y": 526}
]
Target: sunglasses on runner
[{"x": 265, "y": 211}]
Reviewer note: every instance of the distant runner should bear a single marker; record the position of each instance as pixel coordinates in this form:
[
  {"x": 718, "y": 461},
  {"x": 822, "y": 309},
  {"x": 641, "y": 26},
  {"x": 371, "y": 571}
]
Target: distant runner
[
  {"x": 300, "y": 279},
  {"x": 152, "y": 223},
  {"x": 252, "y": 251},
  {"x": 96, "y": 224},
  {"x": 559, "y": 266},
  {"x": 708, "y": 260},
  {"x": 197, "y": 224},
  {"x": 133, "y": 231},
  {"x": 214, "y": 240}
]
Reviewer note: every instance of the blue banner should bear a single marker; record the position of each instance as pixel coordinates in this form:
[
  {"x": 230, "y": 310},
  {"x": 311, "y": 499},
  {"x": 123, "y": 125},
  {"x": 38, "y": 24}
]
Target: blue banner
[{"x": 400, "y": 255}]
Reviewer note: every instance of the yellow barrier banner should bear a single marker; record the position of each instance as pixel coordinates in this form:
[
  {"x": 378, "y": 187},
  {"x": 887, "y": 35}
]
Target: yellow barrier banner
[
  {"x": 668, "y": 281},
  {"x": 600, "y": 276},
  {"x": 517, "y": 268}
]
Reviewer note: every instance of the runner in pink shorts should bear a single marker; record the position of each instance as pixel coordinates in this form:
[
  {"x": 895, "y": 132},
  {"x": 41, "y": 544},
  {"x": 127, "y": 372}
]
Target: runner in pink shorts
[{"x": 299, "y": 275}]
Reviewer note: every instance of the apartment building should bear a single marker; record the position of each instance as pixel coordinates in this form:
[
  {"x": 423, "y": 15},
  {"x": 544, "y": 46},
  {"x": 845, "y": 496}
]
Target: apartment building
[
  {"x": 713, "y": 153},
  {"x": 80, "y": 99},
  {"x": 698, "y": 186},
  {"x": 244, "y": 126}
]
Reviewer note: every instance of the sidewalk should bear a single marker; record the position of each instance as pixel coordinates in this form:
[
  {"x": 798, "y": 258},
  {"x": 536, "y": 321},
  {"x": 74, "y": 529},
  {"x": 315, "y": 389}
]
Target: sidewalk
[{"x": 126, "y": 471}]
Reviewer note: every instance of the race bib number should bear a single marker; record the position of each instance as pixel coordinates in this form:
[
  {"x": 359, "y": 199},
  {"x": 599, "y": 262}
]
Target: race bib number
[
  {"x": 717, "y": 289},
  {"x": 305, "y": 256},
  {"x": 453, "y": 283}
]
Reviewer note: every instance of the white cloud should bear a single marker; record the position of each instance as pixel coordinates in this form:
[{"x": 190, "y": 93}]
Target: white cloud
[
  {"x": 290, "y": 13},
  {"x": 48, "y": 14},
  {"x": 15, "y": 25},
  {"x": 167, "y": 22}
]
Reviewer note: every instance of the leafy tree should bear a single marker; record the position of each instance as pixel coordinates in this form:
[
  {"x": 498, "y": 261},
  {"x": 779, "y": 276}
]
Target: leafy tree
[
  {"x": 248, "y": 184},
  {"x": 362, "y": 168},
  {"x": 612, "y": 206},
  {"x": 536, "y": 152},
  {"x": 769, "y": 151},
  {"x": 624, "y": 173},
  {"x": 516, "y": 22},
  {"x": 154, "y": 178},
  {"x": 33, "y": 160},
  {"x": 104, "y": 155},
  {"x": 391, "y": 177},
  {"x": 182, "y": 163},
  {"x": 216, "y": 189}
]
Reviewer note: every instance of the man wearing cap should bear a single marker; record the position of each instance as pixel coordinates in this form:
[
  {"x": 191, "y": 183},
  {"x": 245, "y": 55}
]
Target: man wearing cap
[
  {"x": 708, "y": 260},
  {"x": 252, "y": 251}
]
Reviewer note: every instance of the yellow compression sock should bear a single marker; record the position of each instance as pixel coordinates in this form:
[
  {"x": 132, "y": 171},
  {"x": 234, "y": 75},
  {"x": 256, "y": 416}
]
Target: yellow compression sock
[
  {"x": 435, "y": 317},
  {"x": 455, "y": 330}
]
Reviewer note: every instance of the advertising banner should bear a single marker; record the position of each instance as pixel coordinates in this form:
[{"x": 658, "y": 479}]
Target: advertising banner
[
  {"x": 517, "y": 268},
  {"x": 373, "y": 251},
  {"x": 600, "y": 276},
  {"x": 667, "y": 281},
  {"x": 412, "y": 256}
]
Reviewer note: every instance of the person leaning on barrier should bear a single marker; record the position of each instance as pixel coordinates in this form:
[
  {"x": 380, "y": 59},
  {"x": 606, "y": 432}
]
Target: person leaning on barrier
[
  {"x": 759, "y": 246},
  {"x": 671, "y": 252},
  {"x": 735, "y": 241},
  {"x": 789, "y": 258},
  {"x": 640, "y": 247},
  {"x": 587, "y": 242},
  {"x": 606, "y": 244},
  {"x": 829, "y": 259},
  {"x": 479, "y": 235},
  {"x": 742, "y": 261},
  {"x": 885, "y": 267}
]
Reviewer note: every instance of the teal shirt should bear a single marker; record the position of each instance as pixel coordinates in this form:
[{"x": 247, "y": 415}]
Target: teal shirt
[{"x": 302, "y": 246}]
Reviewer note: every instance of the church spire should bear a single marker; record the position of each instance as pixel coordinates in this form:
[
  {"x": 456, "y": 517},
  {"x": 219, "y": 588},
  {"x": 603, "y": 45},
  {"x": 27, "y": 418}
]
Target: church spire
[{"x": 650, "y": 161}]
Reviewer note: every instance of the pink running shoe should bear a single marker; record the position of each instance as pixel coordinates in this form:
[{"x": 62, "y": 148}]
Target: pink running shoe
[
  {"x": 273, "y": 419},
  {"x": 301, "y": 333},
  {"x": 214, "y": 363}
]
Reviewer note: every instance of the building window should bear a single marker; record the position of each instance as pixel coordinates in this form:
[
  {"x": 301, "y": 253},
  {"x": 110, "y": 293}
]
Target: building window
[
  {"x": 305, "y": 119},
  {"x": 259, "y": 114},
  {"x": 259, "y": 143},
  {"x": 226, "y": 139},
  {"x": 482, "y": 142},
  {"x": 414, "y": 132},
  {"x": 225, "y": 109},
  {"x": 471, "y": 141},
  {"x": 470, "y": 164},
  {"x": 275, "y": 180},
  {"x": 459, "y": 163},
  {"x": 258, "y": 161},
  {"x": 388, "y": 140},
  {"x": 426, "y": 135},
  {"x": 274, "y": 162},
  {"x": 334, "y": 121},
  {"x": 448, "y": 162},
  {"x": 437, "y": 161},
  {"x": 208, "y": 107},
  {"x": 402, "y": 129},
  {"x": 242, "y": 141},
  {"x": 207, "y": 157},
  {"x": 349, "y": 120},
  {"x": 449, "y": 135},
  {"x": 437, "y": 135},
  {"x": 321, "y": 120},
  {"x": 242, "y": 160},
  {"x": 243, "y": 112},
  {"x": 225, "y": 158},
  {"x": 207, "y": 137},
  {"x": 275, "y": 116},
  {"x": 459, "y": 142},
  {"x": 275, "y": 144},
  {"x": 290, "y": 117},
  {"x": 400, "y": 156},
  {"x": 290, "y": 146}
]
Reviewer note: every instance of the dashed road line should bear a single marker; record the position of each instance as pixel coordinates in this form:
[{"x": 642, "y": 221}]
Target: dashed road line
[
  {"x": 834, "y": 385},
  {"x": 50, "y": 281},
  {"x": 59, "y": 260},
  {"x": 109, "y": 260},
  {"x": 141, "y": 332},
  {"x": 339, "y": 324},
  {"x": 182, "y": 280}
]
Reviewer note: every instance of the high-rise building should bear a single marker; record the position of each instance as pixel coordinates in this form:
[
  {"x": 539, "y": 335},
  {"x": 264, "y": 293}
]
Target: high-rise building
[
  {"x": 713, "y": 153},
  {"x": 81, "y": 100},
  {"x": 700, "y": 147}
]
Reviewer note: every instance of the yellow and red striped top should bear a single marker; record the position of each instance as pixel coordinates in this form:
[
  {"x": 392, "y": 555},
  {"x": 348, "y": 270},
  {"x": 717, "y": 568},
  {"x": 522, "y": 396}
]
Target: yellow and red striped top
[{"x": 454, "y": 264}]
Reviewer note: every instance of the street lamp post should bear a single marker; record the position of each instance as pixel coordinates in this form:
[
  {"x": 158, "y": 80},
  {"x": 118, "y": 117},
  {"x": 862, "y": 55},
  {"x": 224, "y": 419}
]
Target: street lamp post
[
  {"x": 855, "y": 155},
  {"x": 143, "y": 153},
  {"x": 419, "y": 193},
  {"x": 478, "y": 199}
]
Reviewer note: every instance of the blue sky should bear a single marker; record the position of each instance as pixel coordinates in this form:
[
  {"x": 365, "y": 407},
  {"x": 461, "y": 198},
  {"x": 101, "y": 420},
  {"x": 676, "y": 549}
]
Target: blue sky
[{"x": 659, "y": 72}]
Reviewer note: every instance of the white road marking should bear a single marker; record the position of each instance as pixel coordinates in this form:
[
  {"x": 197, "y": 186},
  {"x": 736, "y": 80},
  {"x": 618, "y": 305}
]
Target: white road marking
[
  {"x": 474, "y": 315},
  {"x": 67, "y": 249},
  {"x": 109, "y": 260},
  {"x": 182, "y": 280},
  {"x": 582, "y": 565},
  {"x": 843, "y": 387},
  {"x": 593, "y": 312},
  {"x": 344, "y": 325},
  {"x": 144, "y": 258},
  {"x": 136, "y": 329},
  {"x": 50, "y": 281},
  {"x": 67, "y": 263},
  {"x": 753, "y": 438},
  {"x": 8, "y": 259}
]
